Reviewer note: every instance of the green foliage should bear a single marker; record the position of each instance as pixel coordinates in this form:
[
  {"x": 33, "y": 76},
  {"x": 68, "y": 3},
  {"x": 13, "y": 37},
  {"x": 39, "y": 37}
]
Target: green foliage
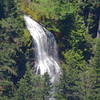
[
  {"x": 73, "y": 66},
  {"x": 88, "y": 80},
  {"x": 71, "y": 21},
  {"x": 7, "y": 7},
  {"x": 89, "y": 9},
  {"x": 74, "y": 60},
  {"x": 26, "y": 37},
  {"x": 47, "y": 86},
  {"x": 77, "y": 80},
  {"x": 4, "y": 98},
  {"x": 32, "y": 87},
  {"x": 29, "y": 88},
  {"x": 96, "y": 65}
]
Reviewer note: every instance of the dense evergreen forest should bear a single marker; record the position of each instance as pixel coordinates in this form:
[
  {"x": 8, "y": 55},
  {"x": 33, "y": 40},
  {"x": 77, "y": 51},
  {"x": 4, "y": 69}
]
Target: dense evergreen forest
[{"x": 76, "y": 27}]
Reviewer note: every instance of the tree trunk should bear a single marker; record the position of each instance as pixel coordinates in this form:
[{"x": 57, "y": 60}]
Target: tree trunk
[
  {"x": 28, "y": 1},
  {"x": 98, "y": 31}
]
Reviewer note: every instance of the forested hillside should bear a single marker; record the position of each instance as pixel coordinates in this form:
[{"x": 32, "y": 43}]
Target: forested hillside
[{"x": 76, "y": 27}]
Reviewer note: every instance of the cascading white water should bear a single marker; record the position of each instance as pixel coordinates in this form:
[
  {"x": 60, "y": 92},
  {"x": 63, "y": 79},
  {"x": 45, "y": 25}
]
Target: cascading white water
[{"x": 46, "y": 50}]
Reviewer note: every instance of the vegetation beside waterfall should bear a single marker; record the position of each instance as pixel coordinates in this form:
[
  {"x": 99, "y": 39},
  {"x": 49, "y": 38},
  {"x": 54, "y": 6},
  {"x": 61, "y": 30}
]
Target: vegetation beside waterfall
[{"x": 75, "y": 24}]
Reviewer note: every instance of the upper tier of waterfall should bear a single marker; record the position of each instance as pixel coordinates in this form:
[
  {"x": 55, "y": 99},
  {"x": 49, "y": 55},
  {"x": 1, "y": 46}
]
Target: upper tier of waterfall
[{"x": 46, "y": 49}]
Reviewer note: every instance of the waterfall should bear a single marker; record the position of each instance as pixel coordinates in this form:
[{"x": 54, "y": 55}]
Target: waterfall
[{"x": 46, "y": 49}]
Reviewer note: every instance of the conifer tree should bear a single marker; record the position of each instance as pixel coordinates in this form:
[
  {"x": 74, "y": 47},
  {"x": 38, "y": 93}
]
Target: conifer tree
[{"x": 96, "y": 65}]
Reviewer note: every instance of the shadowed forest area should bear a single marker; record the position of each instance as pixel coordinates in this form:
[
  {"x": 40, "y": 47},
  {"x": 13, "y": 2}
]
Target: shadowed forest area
[{"x": 76, "y": 27}]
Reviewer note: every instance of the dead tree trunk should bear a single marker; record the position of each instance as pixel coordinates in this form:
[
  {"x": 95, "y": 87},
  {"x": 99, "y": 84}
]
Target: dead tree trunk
[
  {"x": 28, "y": 1},
  {"x": 98, "y": 31}
]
